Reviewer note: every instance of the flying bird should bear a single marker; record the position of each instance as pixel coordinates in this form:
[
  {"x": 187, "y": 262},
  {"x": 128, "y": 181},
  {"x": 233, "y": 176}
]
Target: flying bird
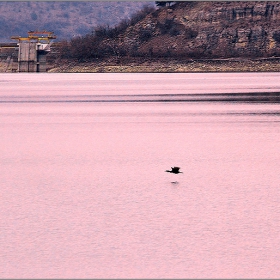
[{"x": 174, "y": 170}]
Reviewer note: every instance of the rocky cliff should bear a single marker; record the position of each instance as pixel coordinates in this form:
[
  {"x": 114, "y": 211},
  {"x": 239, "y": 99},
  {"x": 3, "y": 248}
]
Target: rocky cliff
[{"x": 207, "y": 29}]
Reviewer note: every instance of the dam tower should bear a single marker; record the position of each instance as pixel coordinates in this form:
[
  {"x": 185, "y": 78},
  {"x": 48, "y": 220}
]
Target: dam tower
[{"x": 32, "y": 51}]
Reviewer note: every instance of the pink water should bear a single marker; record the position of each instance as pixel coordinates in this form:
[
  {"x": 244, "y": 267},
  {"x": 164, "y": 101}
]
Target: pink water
[{"x": 84, "y": 193}]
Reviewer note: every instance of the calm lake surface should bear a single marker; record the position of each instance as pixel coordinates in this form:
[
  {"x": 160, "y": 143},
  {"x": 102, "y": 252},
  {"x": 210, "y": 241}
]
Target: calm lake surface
[{"x": 83, "y": 187}]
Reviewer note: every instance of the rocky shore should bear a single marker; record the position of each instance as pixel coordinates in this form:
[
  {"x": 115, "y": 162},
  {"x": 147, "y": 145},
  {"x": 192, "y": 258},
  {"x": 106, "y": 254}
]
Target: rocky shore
[
  {"x": 167, "y": 66},
  {"x": 137, "y": 65}
]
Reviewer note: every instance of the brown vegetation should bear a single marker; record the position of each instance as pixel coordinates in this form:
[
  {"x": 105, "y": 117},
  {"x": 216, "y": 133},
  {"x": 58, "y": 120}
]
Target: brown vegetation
[{"x": 101, "y": 42}]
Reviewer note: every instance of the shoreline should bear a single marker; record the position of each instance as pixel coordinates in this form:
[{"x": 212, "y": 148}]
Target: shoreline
[
  {"x": 164, "y": 65},
  {"x": 169, "y": 66}
]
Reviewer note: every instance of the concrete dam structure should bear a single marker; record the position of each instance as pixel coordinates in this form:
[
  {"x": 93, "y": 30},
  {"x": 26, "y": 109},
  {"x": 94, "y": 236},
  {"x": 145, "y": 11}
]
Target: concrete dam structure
[{"x": 32, "y": 51}]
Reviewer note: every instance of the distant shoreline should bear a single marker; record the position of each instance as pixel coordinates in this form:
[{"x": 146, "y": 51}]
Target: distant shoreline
[
  {"x": 164, "y": 65},
  {"x": 138, "y": 65}
]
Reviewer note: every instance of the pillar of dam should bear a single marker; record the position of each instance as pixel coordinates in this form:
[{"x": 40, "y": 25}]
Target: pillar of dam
[{"x": 27, "y": 57}]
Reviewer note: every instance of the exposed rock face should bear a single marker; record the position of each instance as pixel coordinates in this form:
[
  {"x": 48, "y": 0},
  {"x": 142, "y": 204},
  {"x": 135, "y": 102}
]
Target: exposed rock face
[{"x": 208, "y": 29}]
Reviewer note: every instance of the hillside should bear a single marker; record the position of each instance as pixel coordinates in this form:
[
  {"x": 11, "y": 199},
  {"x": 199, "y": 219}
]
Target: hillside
[
  {"x": 184, "y": 37},
  {"x": 204, "y": 30},
  {"x": 65, "y": 18}
]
